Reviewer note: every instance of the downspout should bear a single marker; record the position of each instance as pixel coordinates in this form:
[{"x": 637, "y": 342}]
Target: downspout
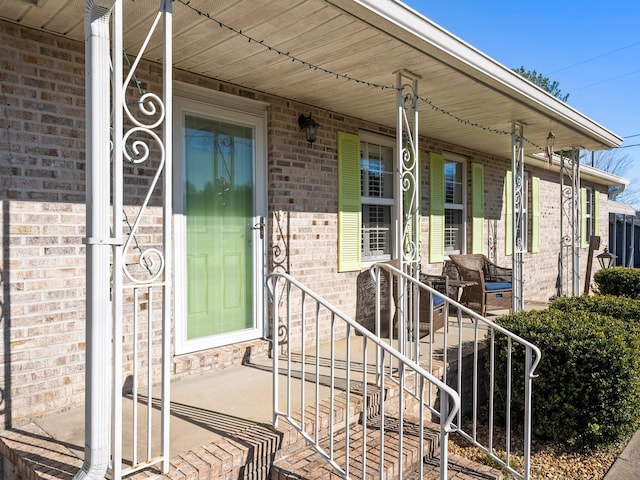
[{"x": 98, "y": 244}]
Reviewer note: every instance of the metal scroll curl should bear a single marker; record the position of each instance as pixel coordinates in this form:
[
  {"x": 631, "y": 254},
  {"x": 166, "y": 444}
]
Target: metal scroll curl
[
  {"x": 408, "y": 177},
  {"x": 150, "y": 260},
  {"x": 280, "y": 258}
]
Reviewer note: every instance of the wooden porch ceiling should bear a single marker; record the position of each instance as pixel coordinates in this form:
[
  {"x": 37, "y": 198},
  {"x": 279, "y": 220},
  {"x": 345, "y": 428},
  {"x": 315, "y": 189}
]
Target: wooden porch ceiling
[{"x": 467, "y": 97}]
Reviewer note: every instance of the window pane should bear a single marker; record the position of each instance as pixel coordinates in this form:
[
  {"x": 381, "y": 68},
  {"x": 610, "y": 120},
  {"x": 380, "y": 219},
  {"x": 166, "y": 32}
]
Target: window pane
[
  {"x": 376, "y": 166},
  {"x": 452, "y": 231},
  {"x": 376, "y": 227},
  {"x": 453, "y": 182}
]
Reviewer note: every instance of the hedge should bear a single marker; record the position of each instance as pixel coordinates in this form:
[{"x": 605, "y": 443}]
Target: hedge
[
  {"x": 624, "y": 282},
  {"x": 587, "y": 389},
  {"x": 619, "y": 307}
]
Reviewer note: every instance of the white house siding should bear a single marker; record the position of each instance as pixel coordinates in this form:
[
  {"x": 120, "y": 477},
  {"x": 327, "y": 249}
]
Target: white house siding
[{"x": 43, "y": 215}]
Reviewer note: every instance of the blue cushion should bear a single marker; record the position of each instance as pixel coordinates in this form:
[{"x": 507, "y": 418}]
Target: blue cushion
[
  {"x": 491, "y": 286},
  {"x": 437, "y": 300}
]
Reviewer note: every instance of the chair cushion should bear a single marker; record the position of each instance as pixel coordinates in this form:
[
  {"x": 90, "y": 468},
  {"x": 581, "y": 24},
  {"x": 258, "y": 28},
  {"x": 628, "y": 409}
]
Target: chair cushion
[
  {"x": 492, "y": 286},
  {"x": 437, "y": 300}
]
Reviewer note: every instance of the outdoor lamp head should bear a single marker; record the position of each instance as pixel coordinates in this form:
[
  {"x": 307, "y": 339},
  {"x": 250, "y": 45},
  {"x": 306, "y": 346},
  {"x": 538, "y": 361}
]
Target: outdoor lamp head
[
  {"x": 310, "y": 127},
  {"x": 606, "y": 259},
  {"x": 551, "y": 139}
]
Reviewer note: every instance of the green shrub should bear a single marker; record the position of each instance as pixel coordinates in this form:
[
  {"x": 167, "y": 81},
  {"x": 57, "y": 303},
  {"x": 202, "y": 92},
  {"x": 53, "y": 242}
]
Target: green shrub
[
  {"x": 624, "y": 282},
  {"x": 619, "y": 307},
  {"x": 587, "y": 389}
]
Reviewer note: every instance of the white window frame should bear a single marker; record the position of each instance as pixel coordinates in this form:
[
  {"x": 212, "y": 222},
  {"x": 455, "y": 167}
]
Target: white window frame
[
  {"x": 380, "y": 140},
  {"x": 462, "y": 207},
  {"x": 526, "y": 203},
  {"x": 588, "y": 214}
]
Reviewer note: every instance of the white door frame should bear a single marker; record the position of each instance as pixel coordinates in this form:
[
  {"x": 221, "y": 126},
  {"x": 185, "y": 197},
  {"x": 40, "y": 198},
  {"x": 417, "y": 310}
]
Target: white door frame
[{"x": 207, "y": 103}]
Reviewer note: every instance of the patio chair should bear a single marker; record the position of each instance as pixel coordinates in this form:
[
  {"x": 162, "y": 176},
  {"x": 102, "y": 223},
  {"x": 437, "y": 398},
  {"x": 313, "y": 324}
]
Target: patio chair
[
  {"x": 492, "y": 287},
  {"x": 365, "y": 309},
  {"x": 439, "y": 283}
]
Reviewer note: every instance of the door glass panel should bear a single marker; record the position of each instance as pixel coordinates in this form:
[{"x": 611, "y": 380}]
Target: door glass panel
[{"x": 219, "y": 161}]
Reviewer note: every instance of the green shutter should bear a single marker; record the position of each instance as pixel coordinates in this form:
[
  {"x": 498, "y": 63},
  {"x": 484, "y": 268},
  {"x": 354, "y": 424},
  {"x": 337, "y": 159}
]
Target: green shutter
[
  {"x": 508, "y": 216},
  {"x": 477, "y": 208},
  {"x": 349, "y": 203},
  {"x": 436, "y": 207},
  {"x": 535, "y": 215},
  {"x": 584, "y": 241}
]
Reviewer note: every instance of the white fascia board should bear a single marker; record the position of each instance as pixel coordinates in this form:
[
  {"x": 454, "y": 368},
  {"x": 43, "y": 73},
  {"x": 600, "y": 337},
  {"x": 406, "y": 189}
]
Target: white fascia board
[
  {"x": 622, "y": 208},
  {"x": 411, "y": 27},
  {"x": 587, "y": 172}
]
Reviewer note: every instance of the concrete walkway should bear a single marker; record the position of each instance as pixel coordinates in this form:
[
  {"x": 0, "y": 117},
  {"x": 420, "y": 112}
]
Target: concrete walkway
[{"x": 627, "y": 466}]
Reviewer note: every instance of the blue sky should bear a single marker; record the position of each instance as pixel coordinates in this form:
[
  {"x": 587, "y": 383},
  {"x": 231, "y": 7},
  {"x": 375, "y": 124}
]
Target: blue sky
[{"x": 591, "y": 48}]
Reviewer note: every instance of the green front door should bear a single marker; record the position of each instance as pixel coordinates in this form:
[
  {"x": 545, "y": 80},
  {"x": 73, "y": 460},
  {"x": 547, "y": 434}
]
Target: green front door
[{"x": 218, "y": 205}]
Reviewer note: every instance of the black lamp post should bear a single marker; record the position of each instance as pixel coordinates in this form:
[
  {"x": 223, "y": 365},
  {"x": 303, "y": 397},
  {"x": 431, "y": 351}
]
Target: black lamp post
[
  {"x": 310, "y": 127},
  {"x": 606, "y": 259}
]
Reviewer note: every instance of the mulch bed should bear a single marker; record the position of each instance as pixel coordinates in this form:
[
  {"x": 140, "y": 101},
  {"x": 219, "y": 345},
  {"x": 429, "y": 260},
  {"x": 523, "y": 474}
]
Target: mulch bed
[{"x": 549, "y": 461}]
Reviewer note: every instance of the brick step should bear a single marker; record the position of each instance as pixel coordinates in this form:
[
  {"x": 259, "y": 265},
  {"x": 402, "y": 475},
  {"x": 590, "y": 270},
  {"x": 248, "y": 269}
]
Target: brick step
[{"x": 306, "y": 463}]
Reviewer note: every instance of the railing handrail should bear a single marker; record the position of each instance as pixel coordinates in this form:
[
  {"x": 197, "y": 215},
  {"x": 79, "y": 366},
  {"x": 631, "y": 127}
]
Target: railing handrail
[
  {"x": 530, "y": 366},
  {"x": 466, "y": 310},
  {"x": 407, "y": 291},
  {"x": 449, "y": 398},
  {"x": 453, "y": 395}
]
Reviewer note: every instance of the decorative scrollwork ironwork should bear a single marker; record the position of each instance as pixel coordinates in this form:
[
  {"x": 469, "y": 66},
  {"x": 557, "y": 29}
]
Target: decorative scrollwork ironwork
[
  {"x": 281, "y": 241},
  {"x": 569, "y": 223},
  {"x": 408, "y": 172},
  {"x": 139, "y": 146}
]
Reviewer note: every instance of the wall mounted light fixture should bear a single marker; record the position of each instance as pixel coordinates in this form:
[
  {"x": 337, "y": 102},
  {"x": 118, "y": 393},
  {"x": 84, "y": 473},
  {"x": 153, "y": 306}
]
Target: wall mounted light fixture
[{"x": 310, "y": 127}]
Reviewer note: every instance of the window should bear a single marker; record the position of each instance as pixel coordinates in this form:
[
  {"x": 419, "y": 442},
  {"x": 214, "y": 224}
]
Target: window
[
  {"x": 588, "y": 213},
  {"x": 454, "y": 206},
  {"x": 525, "y": 213},
  {"x": 365, "y": 199},
  {"x": 376, "y": 189},
  {"x": 448, "y": 205}
]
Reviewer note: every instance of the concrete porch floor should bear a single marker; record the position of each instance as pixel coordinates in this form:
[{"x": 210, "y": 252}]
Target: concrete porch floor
[{"x": 220, "y": 405}]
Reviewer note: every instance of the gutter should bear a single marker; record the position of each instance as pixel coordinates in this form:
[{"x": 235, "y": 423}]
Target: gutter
[{"x": 98, "y": 248}]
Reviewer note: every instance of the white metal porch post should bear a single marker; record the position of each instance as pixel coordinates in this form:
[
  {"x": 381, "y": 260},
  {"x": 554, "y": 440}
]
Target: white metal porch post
[
  {"x": 98, "y": 240},
  {"x": 517, "y": 207},
  {"x": 569, "y": 263},
  {"x": 408, "y": 168},
  {"x": 407, "y": 237},
  {"x": 107, "y": 244}
]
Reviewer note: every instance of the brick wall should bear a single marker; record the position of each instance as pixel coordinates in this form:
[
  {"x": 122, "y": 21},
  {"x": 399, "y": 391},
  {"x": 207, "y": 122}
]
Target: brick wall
[
  {"x": 42, "y": 197},
  {"x": 42, "y": 174}
]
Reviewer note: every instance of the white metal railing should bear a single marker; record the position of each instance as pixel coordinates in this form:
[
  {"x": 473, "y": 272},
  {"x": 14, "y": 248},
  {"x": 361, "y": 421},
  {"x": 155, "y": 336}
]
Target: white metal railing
[
  {"x": 471, "y": 346},
  {"x": 332, "y": 370}
]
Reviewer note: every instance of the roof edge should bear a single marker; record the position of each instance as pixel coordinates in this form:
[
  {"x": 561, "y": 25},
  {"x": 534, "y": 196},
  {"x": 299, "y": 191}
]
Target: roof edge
[
  {"x": 592, "y": 174},
  {"x": 412, "y": 27}
]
